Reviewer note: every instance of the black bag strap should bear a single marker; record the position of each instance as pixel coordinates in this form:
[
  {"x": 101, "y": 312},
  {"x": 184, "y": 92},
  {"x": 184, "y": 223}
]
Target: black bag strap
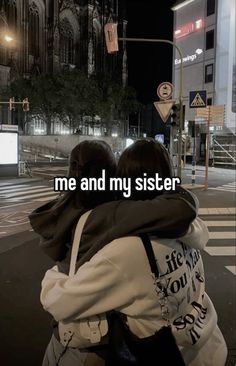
[{"x": 150, "y": 254}]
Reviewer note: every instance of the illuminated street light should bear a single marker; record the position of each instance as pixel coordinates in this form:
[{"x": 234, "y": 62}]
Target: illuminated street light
[
  {"x": 8, "y": 38},
  {"x": 5, "y": 33},
  {"x": 181, "y": 5}
]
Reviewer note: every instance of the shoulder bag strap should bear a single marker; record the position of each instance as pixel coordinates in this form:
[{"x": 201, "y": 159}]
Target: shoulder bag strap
[
  {"x": 76, "y": 241},
  {"x": 154, "y": 268},
  {"x": 150, "y": 254}
]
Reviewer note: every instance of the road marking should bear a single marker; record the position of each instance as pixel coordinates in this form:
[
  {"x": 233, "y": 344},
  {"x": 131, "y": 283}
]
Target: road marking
[
  {"x": 231, "y": 269},
  {"x": 220, "y": 223},
  {"x": 229, "y": 187},
  {"x": 15, "y": 189},
  {"x": 222, "y": 235},
  {"x": 221, "y": 251},
  {"x": 217, "y": 211},
  {"x": 32, "y": 191},
  {"x": 36, "y": 195},
  {"x": 15, "y": 204},
  {"x": 223, "y": 189},
  {"x": 12, "y": 186},
  {"x": 43, "y": 173}
]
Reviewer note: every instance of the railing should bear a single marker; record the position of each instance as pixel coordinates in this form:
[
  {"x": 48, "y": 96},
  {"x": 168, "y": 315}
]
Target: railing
[
  {"x": 42, "y": 152},
  {"x": 225, "y": 151}
]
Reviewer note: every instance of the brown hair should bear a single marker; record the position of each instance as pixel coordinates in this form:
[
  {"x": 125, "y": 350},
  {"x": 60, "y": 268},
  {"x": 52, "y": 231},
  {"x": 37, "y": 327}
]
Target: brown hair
[
  {"x": 144, "y": 156},
  {"x": 87, "y": 160}
]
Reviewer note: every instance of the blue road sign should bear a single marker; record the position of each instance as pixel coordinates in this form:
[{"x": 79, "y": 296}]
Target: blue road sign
[{"x": 198, "y": 99}]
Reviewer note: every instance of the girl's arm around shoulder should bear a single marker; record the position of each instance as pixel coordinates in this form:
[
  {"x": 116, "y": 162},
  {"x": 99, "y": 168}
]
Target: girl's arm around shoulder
[
  {"x": 98, "y": 286},
  {"x": 197, "y": 235}
]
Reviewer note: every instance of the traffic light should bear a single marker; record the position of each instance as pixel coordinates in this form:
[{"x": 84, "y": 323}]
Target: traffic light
[
  {"x": 175, "y": 115},
  {"x": 11, "y": 104},
  {"x": 111, "y": 37},
  {"x": 25, "y": 105}
]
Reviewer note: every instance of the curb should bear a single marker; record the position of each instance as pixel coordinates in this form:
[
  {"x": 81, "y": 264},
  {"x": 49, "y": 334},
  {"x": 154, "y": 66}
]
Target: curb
[{"x": 191, "y": 187}]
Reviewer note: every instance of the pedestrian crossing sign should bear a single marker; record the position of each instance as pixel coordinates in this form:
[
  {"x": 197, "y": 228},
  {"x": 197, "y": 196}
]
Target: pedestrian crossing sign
[{"x": 197, "y": 99}]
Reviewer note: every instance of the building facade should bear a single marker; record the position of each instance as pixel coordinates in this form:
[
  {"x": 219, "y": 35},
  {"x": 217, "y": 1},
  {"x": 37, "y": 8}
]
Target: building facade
[
  {"x": 205, "y": 32},
  {"x": 46, "y": 36}
]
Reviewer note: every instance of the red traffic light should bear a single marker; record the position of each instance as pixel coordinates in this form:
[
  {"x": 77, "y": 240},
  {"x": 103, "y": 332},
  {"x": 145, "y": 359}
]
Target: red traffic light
[{"x": 25, "y": 105}]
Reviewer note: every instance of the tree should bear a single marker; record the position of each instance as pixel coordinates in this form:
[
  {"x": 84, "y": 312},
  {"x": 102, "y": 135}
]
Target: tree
[
  {"x": 71, "y": 95},
  {"x": 80, "y": 97},
  {"x": 117, "y": 101},
  {"x": 43, "y": 93}
]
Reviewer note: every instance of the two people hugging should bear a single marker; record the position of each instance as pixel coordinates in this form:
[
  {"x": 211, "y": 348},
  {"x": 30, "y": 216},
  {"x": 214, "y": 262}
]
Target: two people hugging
[{"x": 112, "y": 270}]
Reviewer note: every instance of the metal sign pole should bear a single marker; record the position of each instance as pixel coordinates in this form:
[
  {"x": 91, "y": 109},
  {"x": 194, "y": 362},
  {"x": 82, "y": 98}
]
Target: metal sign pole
[
  {"x": 180, "y": 88},
  {"x": 207, "y": 148},
  {"x": 180, "y": 140},
  {"x": 194, "y": 155}
]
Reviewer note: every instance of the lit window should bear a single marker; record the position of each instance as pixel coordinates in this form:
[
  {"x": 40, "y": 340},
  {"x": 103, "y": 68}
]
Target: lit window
[
  {"x": 209, "y": 73},
  {"x": 198, "y": 24}
]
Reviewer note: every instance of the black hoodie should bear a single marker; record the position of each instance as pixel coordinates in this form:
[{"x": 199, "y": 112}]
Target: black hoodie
[{"x": 167, "y": 216}]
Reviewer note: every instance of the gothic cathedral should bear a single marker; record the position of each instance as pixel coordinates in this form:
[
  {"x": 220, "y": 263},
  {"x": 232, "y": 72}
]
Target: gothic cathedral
[{"x": 40, "y": 36}]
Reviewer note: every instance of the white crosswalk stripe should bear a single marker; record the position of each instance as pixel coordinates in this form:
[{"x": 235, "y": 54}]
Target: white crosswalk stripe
[
  {"x": 26, "y": 192},
  {"x": 222, "y": 235},
  {"x": 229, "y": 187},
  {"x": 16, "y": 189}
]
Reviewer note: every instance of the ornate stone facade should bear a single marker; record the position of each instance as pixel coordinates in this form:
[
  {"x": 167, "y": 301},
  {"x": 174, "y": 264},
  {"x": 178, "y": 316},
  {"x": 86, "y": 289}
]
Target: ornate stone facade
[{"x": 49, "y": 35}]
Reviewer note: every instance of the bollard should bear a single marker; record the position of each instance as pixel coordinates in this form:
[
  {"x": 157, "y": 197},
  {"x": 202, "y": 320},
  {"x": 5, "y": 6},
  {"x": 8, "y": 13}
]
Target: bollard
[{"x": 193, "y": 171}]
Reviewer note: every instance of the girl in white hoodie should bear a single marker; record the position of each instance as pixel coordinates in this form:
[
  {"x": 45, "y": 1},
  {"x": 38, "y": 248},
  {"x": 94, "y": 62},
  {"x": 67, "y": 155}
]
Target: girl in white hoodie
[{"x": 118, "y": 277}]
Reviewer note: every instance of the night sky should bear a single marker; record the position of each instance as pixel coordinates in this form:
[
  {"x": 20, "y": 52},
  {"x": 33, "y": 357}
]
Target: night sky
[{"x": 149, "y": 64}]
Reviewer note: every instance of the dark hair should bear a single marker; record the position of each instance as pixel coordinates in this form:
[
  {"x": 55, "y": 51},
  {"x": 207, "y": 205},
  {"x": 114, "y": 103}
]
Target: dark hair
[
  {"x": 87, "y": 160},
  {"x": 144, "y": 156}
]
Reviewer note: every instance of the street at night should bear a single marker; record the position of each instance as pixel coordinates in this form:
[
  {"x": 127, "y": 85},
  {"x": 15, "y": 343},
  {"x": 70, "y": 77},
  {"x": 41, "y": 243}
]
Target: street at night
[{"x": 121, "y": 101}]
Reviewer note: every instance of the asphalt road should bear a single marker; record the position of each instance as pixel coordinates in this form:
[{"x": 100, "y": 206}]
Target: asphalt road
[{"x": 25, "y": 327}]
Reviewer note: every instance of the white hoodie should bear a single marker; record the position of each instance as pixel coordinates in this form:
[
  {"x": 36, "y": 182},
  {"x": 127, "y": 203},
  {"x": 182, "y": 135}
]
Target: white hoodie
[{"x": 119, "y": 277}]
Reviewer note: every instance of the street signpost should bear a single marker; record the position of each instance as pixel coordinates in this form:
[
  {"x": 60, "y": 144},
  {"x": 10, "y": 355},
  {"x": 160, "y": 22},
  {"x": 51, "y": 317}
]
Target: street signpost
[
  {"x": 164, "y": 108},
  {"x": 165, "y": 90},
  {"x": 197, "y": 99},
  {"x": 111, "y": 37}
]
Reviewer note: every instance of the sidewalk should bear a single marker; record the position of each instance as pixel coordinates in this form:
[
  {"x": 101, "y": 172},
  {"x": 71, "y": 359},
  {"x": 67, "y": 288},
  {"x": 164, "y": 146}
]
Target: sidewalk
[
  {"x": 192, "y": 187},
  {"x": 210, "y": 168}
]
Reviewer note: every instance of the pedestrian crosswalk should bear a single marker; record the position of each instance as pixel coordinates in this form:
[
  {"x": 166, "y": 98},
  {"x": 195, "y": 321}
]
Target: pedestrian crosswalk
[
  {"x": 222, "y": 233},
  {"x": 10, "y": 193},
  {"x": 229, "y": 187},
  {"x": 49, "y": 171},
  {"x": 220, "y": 221}
]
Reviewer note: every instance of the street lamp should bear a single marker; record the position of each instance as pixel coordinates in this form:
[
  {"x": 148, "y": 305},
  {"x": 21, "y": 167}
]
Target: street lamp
[
  {"x": 112, "y": 39},
  {"x": 6, "y": 36}
]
